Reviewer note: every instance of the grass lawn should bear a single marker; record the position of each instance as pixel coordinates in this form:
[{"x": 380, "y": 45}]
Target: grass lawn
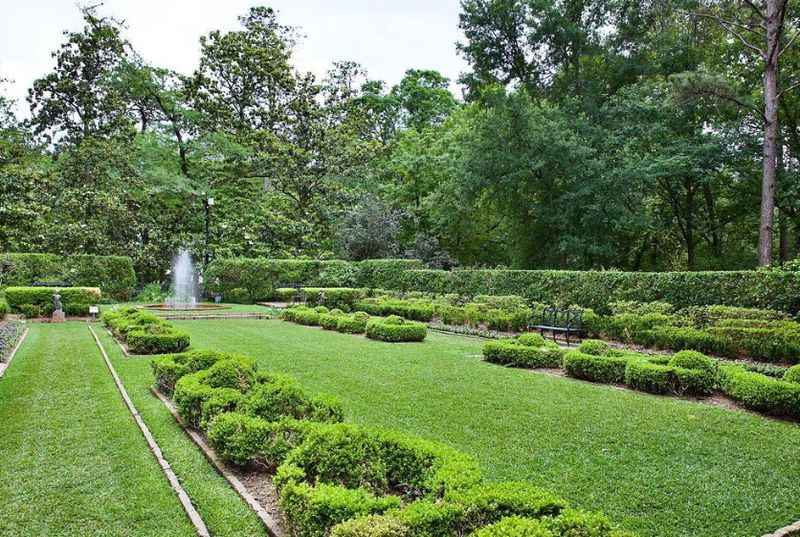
[
  {"x": 73, "y": 462},
  {"x": 659, "y": 466}
]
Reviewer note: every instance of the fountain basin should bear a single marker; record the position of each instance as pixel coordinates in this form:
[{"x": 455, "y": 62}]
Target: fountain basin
[{"x": 184, "y": 307}]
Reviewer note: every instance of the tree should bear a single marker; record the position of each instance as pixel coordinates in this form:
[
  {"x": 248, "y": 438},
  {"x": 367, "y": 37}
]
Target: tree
[
  {"x": 760, "y": 27},
  {"x": 78, "y": 99}
]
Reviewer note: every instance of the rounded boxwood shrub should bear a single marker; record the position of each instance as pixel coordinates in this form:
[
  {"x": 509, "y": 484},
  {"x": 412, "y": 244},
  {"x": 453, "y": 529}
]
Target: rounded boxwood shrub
[
  {"x": 694, "y": 360},
  {"x": 665, "y": 379},
  {"x": 167, "y": 369},
  {"x": 792, "y": 374},
  {"x": 283, "y": 397},
  {"x": 238, "y": 373},
  {"x": 396, "y": 329},
  {"x": 594, "y": 347}
]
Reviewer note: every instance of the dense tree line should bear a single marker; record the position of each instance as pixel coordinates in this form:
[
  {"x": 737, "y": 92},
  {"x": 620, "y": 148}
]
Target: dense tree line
[{"x": 591, "y": 134}]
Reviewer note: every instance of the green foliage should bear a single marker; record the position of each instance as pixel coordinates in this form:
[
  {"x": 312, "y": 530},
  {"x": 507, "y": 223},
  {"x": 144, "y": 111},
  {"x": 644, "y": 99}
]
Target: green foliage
[
  {"x": 33, "y": 300},
  {"x": 371, "y": 526},
  {"x": 694, "y": 360},
  {"x": 515, "y": 527},
  {"x": 760, "y": 392},
  {"x": 113, "y": 275},
  {"x": 278, "y": 397},
  {"x": 259, "y": 277},
  {"x": 313, "y": 510},
  {"x": 396, "y": 329},
  {"x": 235, "y": 373},
  {"x": 531, "y": 339},
  {"x": 668, "y": 379},
  {"x": 598, "y": 289},
  {"x": 355, "y": 323},
  {"x": 221, "y": 401},
  {"x": 301, "y": 315},
  {"x": 792, "y": 374},
  {"x": 508, "y": 352},
  {"x": 604, "y": 369},
  {"x": 594, "y": 347},
  {"x": 169, "y": 368},
  {"x": 145, "y": 333}
]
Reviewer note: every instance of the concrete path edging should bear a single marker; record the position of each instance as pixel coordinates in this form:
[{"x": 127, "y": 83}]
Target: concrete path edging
[
  {"x": 186, "y": 502},
  {"x": 5, "y": 365}
]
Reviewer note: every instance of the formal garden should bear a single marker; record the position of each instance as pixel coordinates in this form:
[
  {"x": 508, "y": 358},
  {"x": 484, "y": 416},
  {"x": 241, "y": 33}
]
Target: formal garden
[
  {"x": 381, "y": 398},
  {"x": 465, "y": 268}
]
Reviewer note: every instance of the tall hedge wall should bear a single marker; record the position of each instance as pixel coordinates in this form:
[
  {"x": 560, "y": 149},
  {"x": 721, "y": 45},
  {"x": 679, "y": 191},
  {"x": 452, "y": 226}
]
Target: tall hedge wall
[
  {"x": 255, "y": 278},
  {"x": 114, "y": 275},
  {"x": 595, "y": 289}
]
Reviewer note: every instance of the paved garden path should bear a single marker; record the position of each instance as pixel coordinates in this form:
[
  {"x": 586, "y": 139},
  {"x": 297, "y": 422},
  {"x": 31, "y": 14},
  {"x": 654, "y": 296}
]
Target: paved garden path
[{"x": 72, "y": 460}]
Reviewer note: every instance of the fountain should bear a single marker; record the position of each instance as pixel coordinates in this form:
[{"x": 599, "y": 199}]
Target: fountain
[
  {"x": 183, "y": 294},
  {"x": 185, "y": 290}
]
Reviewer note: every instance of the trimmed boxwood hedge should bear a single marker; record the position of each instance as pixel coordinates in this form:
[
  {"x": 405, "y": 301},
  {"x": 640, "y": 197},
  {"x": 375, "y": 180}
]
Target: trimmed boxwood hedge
[
  {"x": 666, "y": 379},
  {"x": 114, "y": 275},
  {"x": 343, "y": 479},
  {"x": 253, "y": 279},
  {"x": 760, "y": 392},
  {"x": 512, "y": 352},
  {"x": 38, "y": 301},
  {"x": 144, "y": 332},
  {"x": 605, "y": 369},
  {"x": 395, "y": 329},
  {"x": 775, "y": 290}
]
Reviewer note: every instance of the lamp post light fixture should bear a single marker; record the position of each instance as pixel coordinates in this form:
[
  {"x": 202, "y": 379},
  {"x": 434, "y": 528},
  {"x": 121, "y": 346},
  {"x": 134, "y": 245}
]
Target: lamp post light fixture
[{"x": 208, "y": 202}]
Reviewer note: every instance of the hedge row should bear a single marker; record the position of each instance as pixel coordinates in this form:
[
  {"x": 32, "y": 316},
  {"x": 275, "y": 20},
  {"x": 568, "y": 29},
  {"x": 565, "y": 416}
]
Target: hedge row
[
  {"x": 720, "y": 330},
  {"x": 144, "y": 332},
  {"x": 597, "y": 289},
  {"x": 252, "y": 280},
  {"x": 347, "y": 480},
  {"x": 114, "y": 275},
  {"x": 36, "y": 302},
  {"x": 684, "y": 373},
  {"x": 392, "y": 329}
]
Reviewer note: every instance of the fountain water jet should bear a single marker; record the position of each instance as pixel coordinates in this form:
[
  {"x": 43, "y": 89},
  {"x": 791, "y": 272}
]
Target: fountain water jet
[{"x": 184, "y": 291}]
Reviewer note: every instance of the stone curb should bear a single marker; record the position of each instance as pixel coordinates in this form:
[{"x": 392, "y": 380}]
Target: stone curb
[
  {"x": 186, "y": 502},
  {"x": 269, "y": 522},
  {"x": 5, "y": 365},
  {"x": 787, "y": 531}
]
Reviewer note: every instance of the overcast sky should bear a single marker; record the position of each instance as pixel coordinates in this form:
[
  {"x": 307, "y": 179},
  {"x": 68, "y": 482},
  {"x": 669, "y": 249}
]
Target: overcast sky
[{"x": 385, "y": 36}]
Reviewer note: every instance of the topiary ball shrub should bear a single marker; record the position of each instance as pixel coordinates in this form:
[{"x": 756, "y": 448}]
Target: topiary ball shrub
[
  {"x": 694, "y": 360},
  {"x": 330, "y": 320},
  {"x": 595, "y": 347},
  {"x": 792, "y": 374},
  {"x": 395, "y": 329}
]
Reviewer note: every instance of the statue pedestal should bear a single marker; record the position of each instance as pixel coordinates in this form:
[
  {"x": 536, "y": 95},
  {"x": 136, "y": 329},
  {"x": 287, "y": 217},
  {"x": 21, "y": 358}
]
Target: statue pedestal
[{"x": 58, "y": 317}]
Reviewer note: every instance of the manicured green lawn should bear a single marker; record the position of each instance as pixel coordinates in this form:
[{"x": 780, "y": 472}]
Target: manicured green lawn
[
  {"x": 72, "y": 460},
  {"x": 658, "y": 466}
]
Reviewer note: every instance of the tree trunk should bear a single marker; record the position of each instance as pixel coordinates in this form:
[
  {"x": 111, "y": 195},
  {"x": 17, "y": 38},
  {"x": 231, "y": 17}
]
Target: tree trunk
[
  {"x": 783, "y": 217},
  {"x": 773, "y": 27}
]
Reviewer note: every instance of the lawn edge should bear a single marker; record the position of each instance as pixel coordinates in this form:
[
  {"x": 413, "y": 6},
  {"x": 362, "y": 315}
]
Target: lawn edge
[
  {"x": 269, "y": 523},
  {"x": 183, "y": 497},
  {"x": 5, "y": 365}
]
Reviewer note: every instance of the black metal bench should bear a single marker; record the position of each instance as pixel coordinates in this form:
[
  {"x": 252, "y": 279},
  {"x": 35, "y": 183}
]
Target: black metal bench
[{"x": 567, "y": 321}]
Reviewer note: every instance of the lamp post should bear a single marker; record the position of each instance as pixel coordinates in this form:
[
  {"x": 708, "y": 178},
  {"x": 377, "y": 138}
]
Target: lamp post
[{"x": 208, "y": 202}]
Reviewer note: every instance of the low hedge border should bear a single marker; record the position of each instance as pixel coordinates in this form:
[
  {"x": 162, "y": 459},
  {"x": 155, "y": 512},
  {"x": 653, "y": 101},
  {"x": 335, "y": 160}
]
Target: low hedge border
[
  {"x": 145, "y": 333},
  {"x": 36, "y": 302},
  {"x": 335, "y": 478},
  {"x": 394, "y": 329},
  {"x": 529, "y": 350}
]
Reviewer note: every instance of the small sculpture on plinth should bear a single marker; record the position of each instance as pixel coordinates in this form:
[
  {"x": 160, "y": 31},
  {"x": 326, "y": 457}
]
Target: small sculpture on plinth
[{"x": 58, "y": 312}]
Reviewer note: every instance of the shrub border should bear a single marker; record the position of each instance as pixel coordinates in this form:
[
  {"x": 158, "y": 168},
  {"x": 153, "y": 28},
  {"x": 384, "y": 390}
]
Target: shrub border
[{"x": 5, "y": 365}]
